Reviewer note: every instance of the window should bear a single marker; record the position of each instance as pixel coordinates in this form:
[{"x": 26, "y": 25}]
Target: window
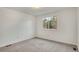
[{"x": 50, "y": 22}]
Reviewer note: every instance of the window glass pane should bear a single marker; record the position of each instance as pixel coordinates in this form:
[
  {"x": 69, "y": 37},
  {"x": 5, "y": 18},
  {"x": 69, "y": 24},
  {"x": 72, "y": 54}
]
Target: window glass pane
[{"x": 50, "y": 22}]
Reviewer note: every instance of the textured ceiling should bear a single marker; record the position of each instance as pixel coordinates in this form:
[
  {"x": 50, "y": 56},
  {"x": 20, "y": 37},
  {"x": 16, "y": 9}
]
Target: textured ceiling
[{"x": 37, "y": 11}]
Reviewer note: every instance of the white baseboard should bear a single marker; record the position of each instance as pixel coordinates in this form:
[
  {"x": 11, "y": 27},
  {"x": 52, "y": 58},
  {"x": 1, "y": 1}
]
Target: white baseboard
[
  {"x": 13, "y": 42},
  {"x": 57, "y": 41}
]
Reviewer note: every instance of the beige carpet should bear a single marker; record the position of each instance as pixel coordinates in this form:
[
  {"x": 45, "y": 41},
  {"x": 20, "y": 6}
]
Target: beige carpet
[{"x": 38, "y": 45}]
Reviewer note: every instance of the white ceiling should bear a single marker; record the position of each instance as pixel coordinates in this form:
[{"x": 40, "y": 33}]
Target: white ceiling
[{"x": 37, "y": 11}]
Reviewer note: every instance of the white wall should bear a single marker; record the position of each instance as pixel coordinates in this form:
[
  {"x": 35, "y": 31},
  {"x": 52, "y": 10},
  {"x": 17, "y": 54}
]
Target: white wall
[
  {"x": 66, "y": 27},
  {"x": 78, "y": 28},
  {"x": 15, "y": 26}
]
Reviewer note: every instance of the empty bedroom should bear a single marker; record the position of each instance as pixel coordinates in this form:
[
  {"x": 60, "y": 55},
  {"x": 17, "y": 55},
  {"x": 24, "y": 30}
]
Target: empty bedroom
[{"x": 42, "y": 29}]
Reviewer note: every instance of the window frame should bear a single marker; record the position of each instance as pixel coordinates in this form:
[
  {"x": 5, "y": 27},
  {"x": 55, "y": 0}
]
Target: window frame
[{"x": 48, "y": 23}]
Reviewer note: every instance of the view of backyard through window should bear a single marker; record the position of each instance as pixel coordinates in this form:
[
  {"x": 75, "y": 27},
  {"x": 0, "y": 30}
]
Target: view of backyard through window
[{"x": 50, "y": 22}]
